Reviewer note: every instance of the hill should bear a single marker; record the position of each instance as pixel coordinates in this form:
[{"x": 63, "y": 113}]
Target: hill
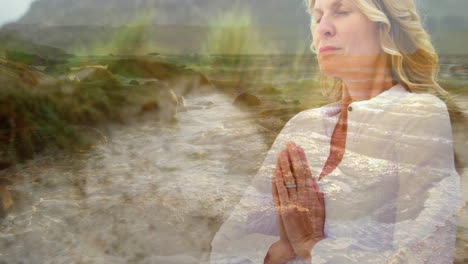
[{"x": 188, "y": 26}]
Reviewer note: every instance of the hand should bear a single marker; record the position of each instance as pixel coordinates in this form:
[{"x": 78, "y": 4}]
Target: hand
[
  {"x": 301, "y": 209},
  {"x": 281, "y": 251}
]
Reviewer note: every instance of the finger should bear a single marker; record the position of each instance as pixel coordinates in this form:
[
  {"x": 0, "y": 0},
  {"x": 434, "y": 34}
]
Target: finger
[
  {"x": 281, "y": 229},
  {"x": 321, "y": 196},
  {"x": 307, "y": 172},
  {"x": 315, "y": 205},
  {"x": 281, "y": 189},
  {"x": 287, "y": 176},
  {"x": 310, "y": 189},
  {"x": 319, "y": 192},
  {"x": 297, "y": 165},
  {"x": 301, "y": 178},
  {"x": 302, "y": 196},
  {"x": 315, "y": 191},
  {"x": 274, "y": 190},
  {"x": 311, "y": 199},
  {"x": 285, "y": 166}
]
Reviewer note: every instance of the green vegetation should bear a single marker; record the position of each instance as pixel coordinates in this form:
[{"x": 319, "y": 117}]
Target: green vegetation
[
  {"x": 34, "y": 120},
  {"x": 235, "y": 33},
  {"x": 129, "y": 40},
  {"x": 59, "y": 111},
  {"x": 15, "y": 48},
  {"x": 454, "y": 87},
  {"x": 233, "y": 37},
  {"x": 238, "y": 50}
]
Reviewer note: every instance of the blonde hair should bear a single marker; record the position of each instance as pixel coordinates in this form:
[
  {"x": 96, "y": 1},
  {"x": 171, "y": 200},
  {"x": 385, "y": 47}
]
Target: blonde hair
[{"x": 412, "y": 58}]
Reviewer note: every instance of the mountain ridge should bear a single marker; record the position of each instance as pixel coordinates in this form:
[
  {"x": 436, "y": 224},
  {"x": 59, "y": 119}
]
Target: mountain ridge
[{"x": 182, "y": 26}]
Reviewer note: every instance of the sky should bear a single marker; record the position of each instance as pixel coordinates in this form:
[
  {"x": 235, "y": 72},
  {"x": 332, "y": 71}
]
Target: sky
[{"x": 13, "y": 9}]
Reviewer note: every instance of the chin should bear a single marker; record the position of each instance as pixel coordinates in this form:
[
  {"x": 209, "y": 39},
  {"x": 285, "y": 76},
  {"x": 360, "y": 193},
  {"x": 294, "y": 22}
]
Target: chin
[
  {"x": 329, "y": 69},
  {"x": 334, "y": 65}
]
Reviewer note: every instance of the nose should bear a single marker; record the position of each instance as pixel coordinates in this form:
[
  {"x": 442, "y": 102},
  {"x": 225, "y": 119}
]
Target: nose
[{"x": 325, "y": 28}]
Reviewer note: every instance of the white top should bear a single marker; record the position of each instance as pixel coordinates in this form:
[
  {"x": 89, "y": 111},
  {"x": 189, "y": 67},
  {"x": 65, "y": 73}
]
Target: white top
[{"x": 393, "y": 198}]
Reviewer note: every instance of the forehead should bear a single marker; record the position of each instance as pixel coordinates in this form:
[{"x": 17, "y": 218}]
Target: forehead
[{"x": 319, "y": 5}]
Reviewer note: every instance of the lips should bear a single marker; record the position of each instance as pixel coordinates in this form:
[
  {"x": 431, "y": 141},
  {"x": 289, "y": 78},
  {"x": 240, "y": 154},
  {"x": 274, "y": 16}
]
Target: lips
[{"x": 327, "y": 50}]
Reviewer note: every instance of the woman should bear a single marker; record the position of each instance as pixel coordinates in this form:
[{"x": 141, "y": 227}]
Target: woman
[{"x": 370, "y": 178}]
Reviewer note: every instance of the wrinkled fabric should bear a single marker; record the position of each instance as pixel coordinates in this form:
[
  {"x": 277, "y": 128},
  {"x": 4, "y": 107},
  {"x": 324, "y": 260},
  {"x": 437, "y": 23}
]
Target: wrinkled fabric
[{"x": 392, "y": 199}]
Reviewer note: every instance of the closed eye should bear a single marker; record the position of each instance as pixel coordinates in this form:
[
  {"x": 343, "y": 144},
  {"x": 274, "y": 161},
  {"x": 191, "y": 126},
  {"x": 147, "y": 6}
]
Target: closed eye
[{"x": 343, "y": 12}]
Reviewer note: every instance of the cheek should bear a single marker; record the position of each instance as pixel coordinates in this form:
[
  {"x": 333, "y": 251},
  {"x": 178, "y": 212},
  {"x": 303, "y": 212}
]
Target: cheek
[
  {"x": 314, "y": 38},
  {"x": 372, "y": 39},
  {"x": 364, "y": 41}
]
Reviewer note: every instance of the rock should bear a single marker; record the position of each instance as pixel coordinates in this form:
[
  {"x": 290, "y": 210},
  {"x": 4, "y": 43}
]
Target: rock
[
  {"x": 246, "y": 99},
  {"x": 178, "y": 77},
  {"x": 173, "y": 97},
  {"x": 224, "y": 84},
  {"x": 149, "y": 106},
  {"x": 6, "y": 164},
  {"x": 134, "y": 82},
  {"x": 156, "y": 85},
  {"x": 190, "y": 82},
  {"x": 169, "y": 105},
  {"x": 290, "y": 101},
  {"x": 7, "y": 130},
  {"x": 182, "y": 104},
  {"x": 17, "y": 74},
  {"x": 57, "y": 69},
  {"x": 182, "y": 101},
  {"x": 93, "y": 74},
  {"x": 272, "y": 124},
  {"x": 152, "y": 83},
  {"x": 166, "y": 103},
  {"x": 71, "y": 78},
  {"x": 296, "y": 101},
  {"x": 5, "y": 200},
  {"x": 269, "y": 89},
  {"x": 143, "y": 68}
]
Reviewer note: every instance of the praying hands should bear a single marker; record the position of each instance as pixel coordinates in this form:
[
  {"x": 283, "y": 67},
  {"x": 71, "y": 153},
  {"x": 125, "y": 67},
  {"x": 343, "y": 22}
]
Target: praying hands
[{"x": 299, "y": 207}]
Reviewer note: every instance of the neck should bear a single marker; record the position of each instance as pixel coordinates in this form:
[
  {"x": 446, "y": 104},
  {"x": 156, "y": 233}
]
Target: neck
[{"x": 362, "y": 85}]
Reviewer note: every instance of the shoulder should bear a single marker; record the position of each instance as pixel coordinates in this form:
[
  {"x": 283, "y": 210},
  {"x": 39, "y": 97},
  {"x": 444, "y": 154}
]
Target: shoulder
[
  {"x": 307, "y": 114},
  {"x": 423, "y": 112},
  {"x": 306, "y": 119},
  {"x": 423, "y": 103},
  {"x": 424, "y": 116}
]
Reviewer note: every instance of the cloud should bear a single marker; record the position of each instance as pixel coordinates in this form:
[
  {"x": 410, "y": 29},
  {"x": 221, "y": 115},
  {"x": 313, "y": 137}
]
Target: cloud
[{"x": 12, "y": 10}]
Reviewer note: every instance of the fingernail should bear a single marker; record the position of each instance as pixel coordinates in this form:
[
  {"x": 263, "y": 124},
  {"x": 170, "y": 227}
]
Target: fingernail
[{"x": 292, "y": 146}]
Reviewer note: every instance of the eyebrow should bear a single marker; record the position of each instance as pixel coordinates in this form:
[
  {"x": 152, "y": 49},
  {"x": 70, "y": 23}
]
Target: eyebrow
[{"x": 335, "y": 4}]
